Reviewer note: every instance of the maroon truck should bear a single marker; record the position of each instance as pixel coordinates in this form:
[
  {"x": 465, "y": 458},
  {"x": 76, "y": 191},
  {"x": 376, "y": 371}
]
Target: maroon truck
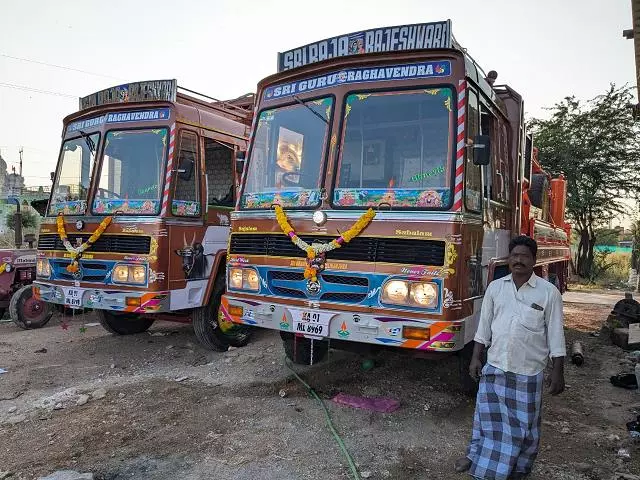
[{"x": 17, "y": 271}]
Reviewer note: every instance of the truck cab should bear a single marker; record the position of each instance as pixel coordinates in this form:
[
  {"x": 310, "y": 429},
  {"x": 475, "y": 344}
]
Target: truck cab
[{"x": 138, "y": 219}]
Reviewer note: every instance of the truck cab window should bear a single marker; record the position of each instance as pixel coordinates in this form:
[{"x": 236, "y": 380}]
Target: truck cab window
[
  {"x": 74, "y": 175},
  {"x": 502, "y": 163},
  {"x": 218, "y": 164},
  {"x": 473, "y": 183},
  {"x": 497, "y": 172},
  {"x": 185, "y": 198},
  {"x": 487, "y": 127}
]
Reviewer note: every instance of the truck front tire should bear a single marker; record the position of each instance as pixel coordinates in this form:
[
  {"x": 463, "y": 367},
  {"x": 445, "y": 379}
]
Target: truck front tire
[
  {"x": 213, "y": 333},
  {"x": 123, "y": 323}
]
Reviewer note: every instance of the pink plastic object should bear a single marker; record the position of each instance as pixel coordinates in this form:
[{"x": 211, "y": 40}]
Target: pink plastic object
[{"x": 383, "y": 405}]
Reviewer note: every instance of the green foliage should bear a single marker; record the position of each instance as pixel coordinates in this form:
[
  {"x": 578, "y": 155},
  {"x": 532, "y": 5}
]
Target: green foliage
[
  {"x": 29, "y": 219},
  {"x": 596, "y": 144},
  {"x": 607, "y": 236}
]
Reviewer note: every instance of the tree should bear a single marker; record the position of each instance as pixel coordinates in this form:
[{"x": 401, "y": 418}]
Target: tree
[
  {"x": 635, "y": 248},
  {"x": 607, "y": 236},
  {"x": 596, "y": 144},
  {"x": 29, "y": 219}
]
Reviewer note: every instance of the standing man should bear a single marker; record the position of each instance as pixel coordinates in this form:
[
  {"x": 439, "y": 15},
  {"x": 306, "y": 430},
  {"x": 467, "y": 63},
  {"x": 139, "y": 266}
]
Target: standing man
[{"x": 521, "y": 325}]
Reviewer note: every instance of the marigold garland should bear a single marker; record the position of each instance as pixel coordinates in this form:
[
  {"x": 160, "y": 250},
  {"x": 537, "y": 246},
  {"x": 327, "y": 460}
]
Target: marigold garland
[
  {"x": 76, "y": 253},
  {"x": 314, "y": 250}
]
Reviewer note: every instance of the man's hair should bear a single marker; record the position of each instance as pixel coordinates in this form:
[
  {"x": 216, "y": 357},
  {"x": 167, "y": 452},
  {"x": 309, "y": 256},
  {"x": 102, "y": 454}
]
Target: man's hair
[{"x": 528, "y": 242}]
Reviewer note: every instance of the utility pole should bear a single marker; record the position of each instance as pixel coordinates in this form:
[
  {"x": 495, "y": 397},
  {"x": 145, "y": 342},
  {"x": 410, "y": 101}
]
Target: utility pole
[{"x": 634, "y": 34}]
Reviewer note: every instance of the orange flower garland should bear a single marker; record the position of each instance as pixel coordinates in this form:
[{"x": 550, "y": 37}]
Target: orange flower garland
[
  {"x": 314, "y": 250},
  {"x": 76, "y": 253}
]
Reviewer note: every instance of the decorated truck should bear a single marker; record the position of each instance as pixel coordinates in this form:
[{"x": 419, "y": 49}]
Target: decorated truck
[
  {"x": 137, "y": 224},
  {"x": 385, "y": 177}
]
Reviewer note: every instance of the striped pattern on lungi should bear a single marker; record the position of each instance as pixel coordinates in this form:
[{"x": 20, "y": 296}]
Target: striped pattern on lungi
[{"x": 506, "y": 424}]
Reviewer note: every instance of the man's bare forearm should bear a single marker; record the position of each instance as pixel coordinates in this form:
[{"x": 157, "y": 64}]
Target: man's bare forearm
[
  {"x": 478, "y": 350},
  {"x": 558, "y": 363}
]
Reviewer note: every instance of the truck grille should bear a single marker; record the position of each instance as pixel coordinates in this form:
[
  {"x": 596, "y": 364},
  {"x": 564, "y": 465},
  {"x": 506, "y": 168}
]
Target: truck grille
[
  {"x": 362, "y": 249},
  {"x": 138, "y": 244},
  {"x": 335, "y": 288},
  {"x": 91, "y": 271},
  {"x": 344, "y": 297}
]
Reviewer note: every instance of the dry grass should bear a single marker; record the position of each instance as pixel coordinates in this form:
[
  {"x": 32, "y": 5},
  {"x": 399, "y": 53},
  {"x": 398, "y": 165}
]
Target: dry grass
[{"x": 614, "y": 269}]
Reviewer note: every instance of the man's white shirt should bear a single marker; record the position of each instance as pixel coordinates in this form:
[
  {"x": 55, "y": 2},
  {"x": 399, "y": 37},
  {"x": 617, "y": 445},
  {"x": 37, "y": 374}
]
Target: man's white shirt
[{"x": 522, "y": 328}]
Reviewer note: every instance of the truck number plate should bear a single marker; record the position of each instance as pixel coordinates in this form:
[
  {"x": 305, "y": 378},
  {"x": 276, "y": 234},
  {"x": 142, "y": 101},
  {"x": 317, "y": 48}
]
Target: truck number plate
[
  {"x": 311, "y": 323},
  {"x": 73, "y": 297}
]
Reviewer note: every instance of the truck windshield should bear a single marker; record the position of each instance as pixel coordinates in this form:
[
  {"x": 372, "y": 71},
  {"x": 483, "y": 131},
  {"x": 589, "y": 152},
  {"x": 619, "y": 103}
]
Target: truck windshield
[
  {"x": 132, "y": 172},
  {"x": 69, "y": 193},
  {"x": 287, "y": 156},
  {"x": 396, "y": 150}
]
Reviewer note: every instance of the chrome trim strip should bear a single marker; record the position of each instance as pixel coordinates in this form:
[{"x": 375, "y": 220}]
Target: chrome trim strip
[
  {"x": 405, "y": 216},
  {"x": 96, "y": 219}
]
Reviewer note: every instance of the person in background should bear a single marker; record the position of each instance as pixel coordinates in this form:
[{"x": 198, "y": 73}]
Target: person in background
[{"x": 521, "y": 325}]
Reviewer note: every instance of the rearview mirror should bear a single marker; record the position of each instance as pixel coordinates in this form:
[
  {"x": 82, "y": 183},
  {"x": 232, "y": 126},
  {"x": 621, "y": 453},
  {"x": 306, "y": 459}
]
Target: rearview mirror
[
  {"x": 239, "y": 166},
  {"x": 240, "y": 154},
  {"x": 481, "y": 150}
]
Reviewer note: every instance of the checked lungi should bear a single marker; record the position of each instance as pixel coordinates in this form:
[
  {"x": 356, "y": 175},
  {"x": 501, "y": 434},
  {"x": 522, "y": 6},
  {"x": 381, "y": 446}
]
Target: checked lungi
[{"x": 506, "y": 424}]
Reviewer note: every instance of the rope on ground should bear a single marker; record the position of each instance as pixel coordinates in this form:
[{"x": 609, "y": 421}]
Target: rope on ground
[{"x": 336, "y": 436}]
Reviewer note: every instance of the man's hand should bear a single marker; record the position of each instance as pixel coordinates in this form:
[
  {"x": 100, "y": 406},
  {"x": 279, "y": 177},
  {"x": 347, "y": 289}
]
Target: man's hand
[
  {"x": 475, "y": 366},
  {"x": 556, "y": 385}
]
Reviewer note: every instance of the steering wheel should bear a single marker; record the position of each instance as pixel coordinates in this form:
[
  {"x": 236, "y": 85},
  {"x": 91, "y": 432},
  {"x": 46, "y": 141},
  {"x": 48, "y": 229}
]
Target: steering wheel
[
  {"x": 104, "y": 193},
  {"x": 290, "y": 183}
]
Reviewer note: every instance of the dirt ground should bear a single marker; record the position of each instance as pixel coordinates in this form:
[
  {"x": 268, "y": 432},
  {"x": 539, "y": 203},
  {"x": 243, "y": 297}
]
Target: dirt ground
[{"x": 173, "y": 410}]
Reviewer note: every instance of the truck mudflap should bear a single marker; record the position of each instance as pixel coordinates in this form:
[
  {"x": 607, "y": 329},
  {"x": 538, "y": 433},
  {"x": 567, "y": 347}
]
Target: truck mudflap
[
  {"x": 115, "y": 300},
  {"x": 378, "y": 329}
]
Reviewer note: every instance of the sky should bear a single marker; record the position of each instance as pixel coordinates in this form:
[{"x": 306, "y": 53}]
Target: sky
[{"x": 544, "y": 49}]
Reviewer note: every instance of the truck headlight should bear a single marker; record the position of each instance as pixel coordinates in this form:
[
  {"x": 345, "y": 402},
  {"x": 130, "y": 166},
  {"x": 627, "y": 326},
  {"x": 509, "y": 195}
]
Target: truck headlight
[
  {"x": 43, "y": 268},
  {"x": 395, "y": 291},
  {"x": 123, "y": 273},
  {"x": 412, "y": 294},
  {"x": 424, "y": 294},
  {"x": 244, "y": 279},
  {"x": 235, "y": 278},
  {"x": 251, "y": 279},
  {"x": 137, "y": 274}
]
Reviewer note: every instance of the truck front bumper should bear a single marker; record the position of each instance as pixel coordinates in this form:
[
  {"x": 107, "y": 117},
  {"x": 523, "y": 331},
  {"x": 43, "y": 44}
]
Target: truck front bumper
[
  {"x": 373, "y": 328},
  {"x": 102, "y": 299}
]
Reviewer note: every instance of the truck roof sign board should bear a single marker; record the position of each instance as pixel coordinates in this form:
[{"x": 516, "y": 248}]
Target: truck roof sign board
[
  {"x": 361, "y": 75},
  {"x": 419, "y": 36},
  {"x": 148, "y": 91}
]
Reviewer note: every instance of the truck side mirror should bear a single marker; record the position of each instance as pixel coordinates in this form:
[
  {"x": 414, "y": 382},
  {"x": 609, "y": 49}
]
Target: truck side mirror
[
  {"x": 239, "y": 166},
  {"x": 481, "y": 150},
  {"x": 241, "y": 158}
]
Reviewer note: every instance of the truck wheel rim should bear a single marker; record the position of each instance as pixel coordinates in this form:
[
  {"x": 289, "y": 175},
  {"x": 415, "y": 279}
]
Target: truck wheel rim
[{"x": 33, "y": 309}]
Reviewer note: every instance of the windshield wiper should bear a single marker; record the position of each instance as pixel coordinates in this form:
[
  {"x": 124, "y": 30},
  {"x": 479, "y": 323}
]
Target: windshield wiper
[
  {"x": 87, "y": 139},
  {"x": 295, "y": 97}
]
